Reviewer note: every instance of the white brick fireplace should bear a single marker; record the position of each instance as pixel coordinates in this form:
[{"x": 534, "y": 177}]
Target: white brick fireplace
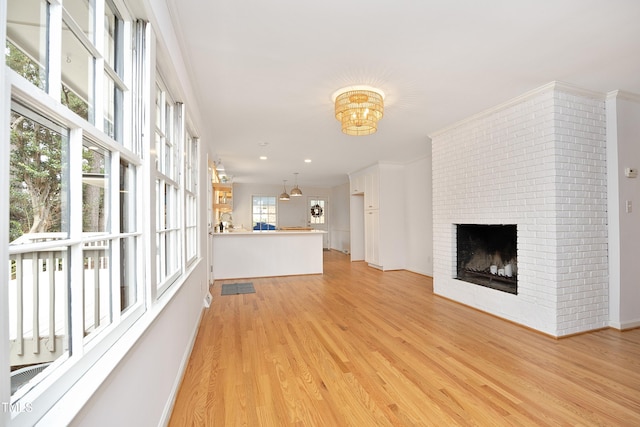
[{"x": 538, "y": 162}]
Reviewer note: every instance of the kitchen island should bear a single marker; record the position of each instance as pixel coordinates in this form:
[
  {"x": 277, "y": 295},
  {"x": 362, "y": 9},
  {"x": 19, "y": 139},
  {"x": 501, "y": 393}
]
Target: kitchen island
[{"x": 245, "y": 254}]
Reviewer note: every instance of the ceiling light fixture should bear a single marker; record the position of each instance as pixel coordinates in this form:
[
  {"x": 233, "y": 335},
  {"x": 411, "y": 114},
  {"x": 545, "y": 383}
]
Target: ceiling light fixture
[
  {"x": 220, "y": 172},
  {"x": 296, "y": 191},
  {"x": 284, "y": 195},
  {"x": 358, "y": 109}
]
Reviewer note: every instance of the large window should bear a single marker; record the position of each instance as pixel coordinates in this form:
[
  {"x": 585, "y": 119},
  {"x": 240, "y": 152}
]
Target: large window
[
  {"x": 129, "y": 241},
  {"x": 263, "y": 212},
  {"x": 115, "y": 71},
  {"x": 27, "y": 32},
  {"x": 77, "y": 87},
  {"x": 96, "y": 223},
  {"x": 39, "y": 243},
  {"x": 92, "y": 68},
  {"x": 168, "y": 210},
  {"x": 191, "y": 197},
  {"x": 66, "y": 233},
  {"x": 103, "y": 192},
  {"x": 75, "y": 243}
]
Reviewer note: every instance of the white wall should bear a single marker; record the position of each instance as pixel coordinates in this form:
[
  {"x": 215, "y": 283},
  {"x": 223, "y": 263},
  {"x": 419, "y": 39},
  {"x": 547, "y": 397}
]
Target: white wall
[
  {"x": 291, "y": 213},
  {"x": 623, "y": 151},
  {"x": 405, "y": 196},
  {"x": 294, "y": 212},
  {"x": 419, "y": 216},
  {"x": 356, "y": 230},
  {"x": 141, "y": 389},
  {"x": 339, "y": 211}
]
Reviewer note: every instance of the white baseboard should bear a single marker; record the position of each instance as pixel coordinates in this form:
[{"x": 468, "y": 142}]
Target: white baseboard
[
  {"x": 168, "y": 409},
  {"x": 623, "y": 326}
]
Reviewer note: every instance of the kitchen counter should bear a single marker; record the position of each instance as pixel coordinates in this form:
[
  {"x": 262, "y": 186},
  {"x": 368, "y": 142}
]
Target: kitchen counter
[
  {"x": 239, "y": 253},
  {"x": 290, "y": 230}
]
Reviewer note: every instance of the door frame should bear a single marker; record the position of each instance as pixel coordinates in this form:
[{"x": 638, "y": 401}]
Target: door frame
[{"x": 326, "y": 241}]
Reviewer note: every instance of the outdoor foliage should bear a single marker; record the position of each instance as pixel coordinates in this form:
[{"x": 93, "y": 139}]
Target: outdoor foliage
[
  {"x": 25, "y": 66},
  {"x": 36, "y": 175},
  {"x": 36, "y": 162}
]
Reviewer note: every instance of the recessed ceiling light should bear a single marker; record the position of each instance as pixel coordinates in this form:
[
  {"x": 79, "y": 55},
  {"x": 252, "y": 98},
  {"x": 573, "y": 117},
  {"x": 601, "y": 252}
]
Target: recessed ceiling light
[
  {"x": 307, "y": 160},
  {"x": 263, "y": 157}
]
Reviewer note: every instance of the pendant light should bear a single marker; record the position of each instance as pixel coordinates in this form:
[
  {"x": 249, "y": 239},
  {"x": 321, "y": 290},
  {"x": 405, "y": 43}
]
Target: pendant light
[
  {"x": 296, "y": 191},
  {"x": 284, "y": 195}
]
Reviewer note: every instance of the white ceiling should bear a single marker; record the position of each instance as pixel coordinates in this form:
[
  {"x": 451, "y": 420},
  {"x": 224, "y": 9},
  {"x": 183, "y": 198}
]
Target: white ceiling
[{"x": 264, "y": 71}]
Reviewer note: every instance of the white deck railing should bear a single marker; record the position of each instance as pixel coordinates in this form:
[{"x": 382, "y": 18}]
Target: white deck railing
[
  {"x": 39, "y": 295},
  {"x": 37, "y": 306}
]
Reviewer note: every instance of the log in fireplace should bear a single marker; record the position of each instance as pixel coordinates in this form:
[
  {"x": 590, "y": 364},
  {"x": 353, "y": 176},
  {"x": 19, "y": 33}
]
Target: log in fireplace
[{"x": 487, "y": 255}]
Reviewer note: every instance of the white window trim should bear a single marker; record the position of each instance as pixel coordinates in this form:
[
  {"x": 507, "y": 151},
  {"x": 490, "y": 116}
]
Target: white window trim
[
  {"x": 5, "y": 389},
  {"x": 68, "y": 368},
  {"x": 174, "y": 132},
  {"x": 276, "y": 206},
  {"x": 191, "y": 194}
]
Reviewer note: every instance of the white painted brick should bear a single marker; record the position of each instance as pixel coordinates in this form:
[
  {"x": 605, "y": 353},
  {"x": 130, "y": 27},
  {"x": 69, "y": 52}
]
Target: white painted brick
[{"x": 541, "y": 165}]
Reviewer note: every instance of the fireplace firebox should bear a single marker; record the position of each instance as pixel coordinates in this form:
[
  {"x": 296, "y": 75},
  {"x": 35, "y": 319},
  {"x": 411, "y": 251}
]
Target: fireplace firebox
[{"x": 487, "y": 255}]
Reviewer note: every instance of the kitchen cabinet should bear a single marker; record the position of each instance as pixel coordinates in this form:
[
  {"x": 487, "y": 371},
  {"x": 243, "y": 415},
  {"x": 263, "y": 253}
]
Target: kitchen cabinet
[
  {"x": 367, "y": 183},
  {"x": 357, "y": 184},
  {"x": 378, "y": 231},
  {"x": 372, "y": 190},
  {"x": 372, "y": 237}
]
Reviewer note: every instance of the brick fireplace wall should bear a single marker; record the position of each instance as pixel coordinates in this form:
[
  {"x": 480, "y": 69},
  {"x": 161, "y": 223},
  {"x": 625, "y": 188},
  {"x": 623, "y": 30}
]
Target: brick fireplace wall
[{"x": 538, "y": 161}]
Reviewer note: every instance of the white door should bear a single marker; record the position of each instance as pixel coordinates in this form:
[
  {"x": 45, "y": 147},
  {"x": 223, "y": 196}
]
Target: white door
[
  {"x": 317, "y": 209},
  {"x": 372, "y": 236}
]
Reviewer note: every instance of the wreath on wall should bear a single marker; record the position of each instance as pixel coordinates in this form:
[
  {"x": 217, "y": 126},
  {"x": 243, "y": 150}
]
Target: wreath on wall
[{"x": 316, "y": 210}]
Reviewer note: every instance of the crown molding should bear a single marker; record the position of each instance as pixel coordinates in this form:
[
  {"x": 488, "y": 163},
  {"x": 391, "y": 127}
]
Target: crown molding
[
  {"x": 620, "y": 94},
  {"x": 578, "y": 91},
  {"x": 554, "y": 86}
]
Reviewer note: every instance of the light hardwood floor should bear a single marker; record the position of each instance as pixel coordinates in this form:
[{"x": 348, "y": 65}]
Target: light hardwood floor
[{"x": 359, "y": 347}]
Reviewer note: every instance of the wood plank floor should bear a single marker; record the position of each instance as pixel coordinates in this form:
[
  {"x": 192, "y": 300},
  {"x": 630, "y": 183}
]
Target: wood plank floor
[{"x": 359, "y": 347}]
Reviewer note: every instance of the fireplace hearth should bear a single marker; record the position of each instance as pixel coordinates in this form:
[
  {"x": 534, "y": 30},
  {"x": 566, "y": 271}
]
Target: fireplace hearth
[{"x": 487, "y": 255}]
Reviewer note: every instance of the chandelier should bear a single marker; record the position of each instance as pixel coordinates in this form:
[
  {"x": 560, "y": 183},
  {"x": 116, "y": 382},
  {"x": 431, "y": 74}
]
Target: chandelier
[{"x": 358, "y": 109}]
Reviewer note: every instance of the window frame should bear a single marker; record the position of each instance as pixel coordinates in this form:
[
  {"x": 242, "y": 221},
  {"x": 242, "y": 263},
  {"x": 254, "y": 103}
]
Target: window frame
[
  {"x": 191, "y": 205},
  {"x": 268, "y": 216},
  {"x": 168, "y": 240},
  {"x": 101, "y": 350},
  {"x": 84, "y": 351}
]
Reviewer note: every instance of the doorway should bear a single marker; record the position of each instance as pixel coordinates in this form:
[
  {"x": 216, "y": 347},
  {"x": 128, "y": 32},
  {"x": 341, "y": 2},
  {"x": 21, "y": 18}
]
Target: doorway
[{"x": 317, "y": 217}]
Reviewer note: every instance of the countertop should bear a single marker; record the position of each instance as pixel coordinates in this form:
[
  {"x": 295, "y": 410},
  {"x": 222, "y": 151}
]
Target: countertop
[{"x": 240, "y": 232}]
